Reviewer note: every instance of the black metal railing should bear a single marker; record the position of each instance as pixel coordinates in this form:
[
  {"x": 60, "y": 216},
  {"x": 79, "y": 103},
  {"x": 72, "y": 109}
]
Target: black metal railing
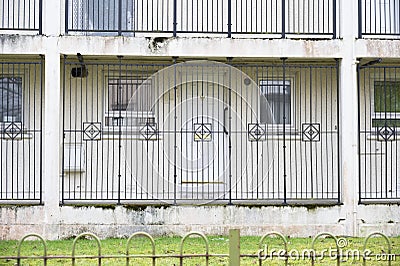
[
  {"x": 22, "y": 15},
  {"x": 275, "y": 18},
  {"x": 379, "y": 122},
  {"x": 200, "y": 132},
  {"x": 21, "y": 97},
  {"x": 378, "y": 18}
]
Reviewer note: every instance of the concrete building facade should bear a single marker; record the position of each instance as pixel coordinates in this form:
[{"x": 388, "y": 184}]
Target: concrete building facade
[{"x": 169, "y": 116}]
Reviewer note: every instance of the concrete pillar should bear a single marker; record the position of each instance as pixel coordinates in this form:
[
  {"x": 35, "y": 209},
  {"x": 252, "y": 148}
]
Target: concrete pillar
[
  {"x": 52, "y": 118},
  {"x": 51, "y": 140},
  {"x": 349, "y": 116}
]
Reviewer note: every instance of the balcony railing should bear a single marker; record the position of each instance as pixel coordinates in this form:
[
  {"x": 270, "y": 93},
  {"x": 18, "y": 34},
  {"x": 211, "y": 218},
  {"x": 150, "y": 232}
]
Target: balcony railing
[
  {"x": 274, "y": 18},
  {"x": 22, "y": 15},
  {"x": 379, "y": 123},
  {"x": 379, "y": 18},
  {"x": 21, "y": 98},
  {"x": 162, "y": 133}
]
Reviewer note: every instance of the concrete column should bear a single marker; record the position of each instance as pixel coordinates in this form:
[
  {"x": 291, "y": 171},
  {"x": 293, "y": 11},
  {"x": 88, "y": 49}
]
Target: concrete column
[
  {"x": 51, "y": 140},
  {"x": 52, "y": 117},
  {"x": 349, "y": 116}
]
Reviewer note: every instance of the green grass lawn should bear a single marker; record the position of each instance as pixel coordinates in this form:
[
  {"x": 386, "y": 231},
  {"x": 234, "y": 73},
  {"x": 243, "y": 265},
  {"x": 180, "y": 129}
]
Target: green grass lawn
[{"x": 193, "y": 245}]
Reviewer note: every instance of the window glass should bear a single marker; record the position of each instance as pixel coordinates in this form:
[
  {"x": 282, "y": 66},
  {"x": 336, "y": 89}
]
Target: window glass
[
  {"x": 124, "y": 92},
  {"x": 386, "y": 104},
  {"x": 131, "y": 95},
  {"x": 10, "y": 99},
  {"x": 275, "y": 98},
  {"x": 103, "y": 15},
  {"x": 387, "y": 96}
]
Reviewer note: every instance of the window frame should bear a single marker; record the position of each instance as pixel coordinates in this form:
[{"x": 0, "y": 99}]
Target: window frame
[
  {"x": 278, "y": 128},
  {"x": 22, "y": 76},
  {"x": 110, "y": 114},
  {"x": 88, "y": 24},
  {"x": 382, "y": 115}
]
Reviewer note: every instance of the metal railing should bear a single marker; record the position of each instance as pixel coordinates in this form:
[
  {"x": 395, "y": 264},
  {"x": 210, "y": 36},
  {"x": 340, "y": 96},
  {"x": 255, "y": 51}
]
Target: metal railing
[
  {"x": 379, "y": 122},
  {"x": 21, "y": 98},
  {"x": 200, "y": 132},
  {"x": 337, "y": 251},
  {"x": 273, "y": 18},
  {"x": 21, "y": 15},
  {"x": 379, "y": 18}
]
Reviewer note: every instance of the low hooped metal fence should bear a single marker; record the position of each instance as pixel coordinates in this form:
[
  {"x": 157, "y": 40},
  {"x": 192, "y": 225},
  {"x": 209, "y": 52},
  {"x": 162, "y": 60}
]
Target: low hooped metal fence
[{"x": 338, "y": 252}]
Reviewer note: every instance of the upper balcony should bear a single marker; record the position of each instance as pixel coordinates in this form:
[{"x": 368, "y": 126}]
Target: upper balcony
[
  {"x": 379, "y": 19},
  {"x": 21, "y": 16},
  {"x": 306, "y": 19},
  {"x": 256, "y": 18}
]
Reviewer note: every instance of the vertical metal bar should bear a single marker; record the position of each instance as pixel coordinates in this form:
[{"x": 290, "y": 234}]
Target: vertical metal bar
[
  {"x": 386, "y": 141},
  {"x": 338, "y": 124},
  {"x": 230, "y": 130},
  {"x": 234, "y": 247},
  {"x": 119, "y": 91},
  {"x": 63, "y": 134},
  {"x": 229, "y": 18},
  {"x": 284, "y": 131},
  {"x": 323, "y": 15},
  {"x": 311, "y": 143},
  {"x": 175, "y": 128},
  {"x": 119, "y": 18},
  {"x": 36, "y": 70},
  {"x": 359, "y": 132},
  {"x": 334, "y": 19},
  {"x": 10, "y": 106},
  {"x": 40, "y": 130},
  {"x": 197, "y": 17},
  {"x": 283, "y": 19},
  {"x": 375, "y": 15},
  {"x": 23, "y": 119},
  {"x": 40, "y": 16},
  {"x": 78, "y": 122},
  {"x": 360, "y": 19},
  {"x": 174, "y": 18},
  {"x": 1, "y": 142},
  {"x": 66, "y": 19},
  {"x": 396, "y": 144}
]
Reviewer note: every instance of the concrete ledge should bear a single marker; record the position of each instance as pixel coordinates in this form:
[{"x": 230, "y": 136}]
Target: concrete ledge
[
  {"x": 370, "y": 48},
  {"x": 216, "y": 47},
  {"x": 120, "y": 221}
]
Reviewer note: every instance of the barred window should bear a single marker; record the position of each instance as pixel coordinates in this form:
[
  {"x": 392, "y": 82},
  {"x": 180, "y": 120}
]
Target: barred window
[
  {"x": 11, "y": 99},
  {"x": 276, "y": 98},
  {"x": 386, "y": 104}
]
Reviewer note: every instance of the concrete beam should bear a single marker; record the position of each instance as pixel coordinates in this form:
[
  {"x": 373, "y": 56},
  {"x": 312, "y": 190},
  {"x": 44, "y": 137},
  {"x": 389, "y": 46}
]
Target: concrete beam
[
  {"x": 183, "y": 47},
  {"x": 377, "y": 48}
]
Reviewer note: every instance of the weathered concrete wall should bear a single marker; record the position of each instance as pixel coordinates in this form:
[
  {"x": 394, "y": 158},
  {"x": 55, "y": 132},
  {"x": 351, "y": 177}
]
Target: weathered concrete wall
[{"x": 122, "y": 221}]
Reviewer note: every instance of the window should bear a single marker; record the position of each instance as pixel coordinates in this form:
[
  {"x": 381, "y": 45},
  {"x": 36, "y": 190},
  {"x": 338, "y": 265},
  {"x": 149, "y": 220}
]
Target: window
[
  {"x": 102, "y": 16},
  {"x": 11, "y": 99},
  {"x": 129, "y": 102},
  {"x": 386, "y": 104},
  {"x": 276, "y": 97}
]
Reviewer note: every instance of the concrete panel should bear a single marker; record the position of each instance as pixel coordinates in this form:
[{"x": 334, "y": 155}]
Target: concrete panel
[{"x": 177, "y": 220}]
